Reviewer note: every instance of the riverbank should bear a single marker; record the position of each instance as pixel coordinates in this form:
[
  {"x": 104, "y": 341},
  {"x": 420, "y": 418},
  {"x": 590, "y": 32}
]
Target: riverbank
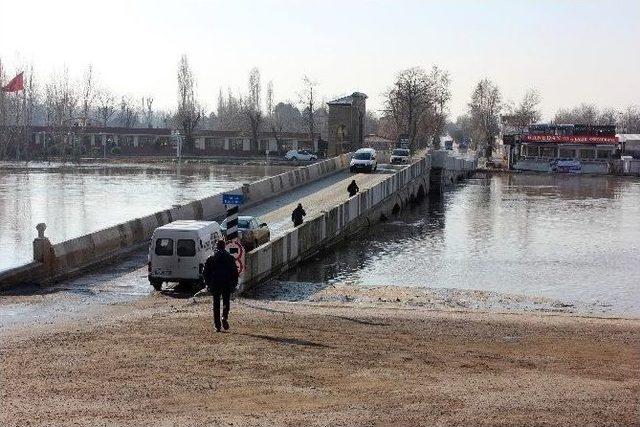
[{"x": 157, "y": 362}]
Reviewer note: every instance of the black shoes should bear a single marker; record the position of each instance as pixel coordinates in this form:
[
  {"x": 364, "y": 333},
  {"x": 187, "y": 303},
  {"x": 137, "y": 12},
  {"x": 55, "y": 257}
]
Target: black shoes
[{"x": 225, "y": 324}]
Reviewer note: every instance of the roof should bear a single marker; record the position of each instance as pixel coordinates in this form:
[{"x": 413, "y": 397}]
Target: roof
[
  {"x": 624, "y": 137},
  {"x": 186, "y": 225},
  {"x": 377, "y": 138},
  {"x": 347, "y": 100}
]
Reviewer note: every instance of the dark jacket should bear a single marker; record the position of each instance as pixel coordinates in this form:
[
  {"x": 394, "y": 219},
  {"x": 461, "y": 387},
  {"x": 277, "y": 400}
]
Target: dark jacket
[
  {"x": 220, "y": 272},
  {"x": 297, "y": 215},
  {"x": 353, "y": 189}
]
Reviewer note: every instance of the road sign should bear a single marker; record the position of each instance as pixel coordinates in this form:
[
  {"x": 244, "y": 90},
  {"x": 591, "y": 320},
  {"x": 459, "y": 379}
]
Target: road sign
[
  {"x": 235, "y": 248},
  {"x": 232, "y": 199}
]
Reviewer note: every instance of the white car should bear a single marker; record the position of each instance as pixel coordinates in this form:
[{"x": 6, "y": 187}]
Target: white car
[
  {"x": 300, "y": 155},
  {"x": 400, "y": 155},
  {"x": 364, "y": 159}
]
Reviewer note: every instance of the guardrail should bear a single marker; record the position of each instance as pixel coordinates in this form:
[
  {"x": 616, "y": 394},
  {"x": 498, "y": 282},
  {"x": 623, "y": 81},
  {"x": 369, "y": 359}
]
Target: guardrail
[{"x": 65, "y": 259}]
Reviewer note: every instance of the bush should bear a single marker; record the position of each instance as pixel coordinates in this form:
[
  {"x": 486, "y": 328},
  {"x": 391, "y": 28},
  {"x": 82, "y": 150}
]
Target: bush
[{"x": 116, "y": 150}]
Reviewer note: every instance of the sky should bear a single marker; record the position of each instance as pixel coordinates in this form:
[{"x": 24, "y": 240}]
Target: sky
[{"x": 571, "y": 51}]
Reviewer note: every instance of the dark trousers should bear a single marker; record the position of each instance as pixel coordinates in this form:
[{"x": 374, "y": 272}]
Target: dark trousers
[{"x": 226, "y": 301}]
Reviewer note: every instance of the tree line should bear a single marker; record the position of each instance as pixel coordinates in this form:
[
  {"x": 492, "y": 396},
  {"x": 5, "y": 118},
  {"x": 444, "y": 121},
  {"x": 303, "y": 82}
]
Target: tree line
[{"x": 415, "y": 106}]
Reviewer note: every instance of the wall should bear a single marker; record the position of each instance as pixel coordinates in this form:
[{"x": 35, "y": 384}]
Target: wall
[
  {"x": 68, "y": 258},
  {"x": 364, "y": 209}
]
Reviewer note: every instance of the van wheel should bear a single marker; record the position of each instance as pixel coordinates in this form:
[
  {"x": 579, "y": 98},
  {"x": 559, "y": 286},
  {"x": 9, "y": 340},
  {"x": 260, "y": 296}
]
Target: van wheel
[{"x": 157, "y": 284}]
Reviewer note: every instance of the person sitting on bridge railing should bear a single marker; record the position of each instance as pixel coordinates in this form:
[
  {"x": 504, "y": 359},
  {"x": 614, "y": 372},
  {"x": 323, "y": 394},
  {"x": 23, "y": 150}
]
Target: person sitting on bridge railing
[
  {"x": 297, "y": 215},
  {"x": 353, "y": 188}
]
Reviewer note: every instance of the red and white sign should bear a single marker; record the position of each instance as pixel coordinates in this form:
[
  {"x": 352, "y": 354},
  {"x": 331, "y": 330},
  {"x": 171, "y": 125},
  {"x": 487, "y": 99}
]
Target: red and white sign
[
  {"x": 571, "y": 138},
  {"x": 235, "y": 248}
]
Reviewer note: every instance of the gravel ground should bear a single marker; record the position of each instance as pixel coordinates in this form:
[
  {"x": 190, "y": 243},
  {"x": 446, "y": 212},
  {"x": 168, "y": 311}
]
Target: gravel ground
[{"x": 156, "y": 361}]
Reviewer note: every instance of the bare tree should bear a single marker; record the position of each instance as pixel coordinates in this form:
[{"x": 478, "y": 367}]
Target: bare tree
[
  {"x": 525, "y": 113},
  {"x": 436, "y": 119},
  {"x": 189, "y": 111},
  {"x": 630, "y": 120},
  {"x": 308, "y": 101},
  {"x": 408, "y": 100},
  {"x": 147, "y": 110},
  {"x": 582, "y": 114},
  {"x": 106, "y": 107},
  {"x": 127, "y": 115},
  {"x": 484, "y": 108},
  {"x": 88, "y": 94},
  {"x": 253, "y": 106}
]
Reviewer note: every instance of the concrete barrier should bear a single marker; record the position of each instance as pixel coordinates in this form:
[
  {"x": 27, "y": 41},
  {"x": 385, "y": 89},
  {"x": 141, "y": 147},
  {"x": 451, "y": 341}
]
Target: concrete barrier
[
  {"x": 363, "y": 209},
  {"x": 68, "y": 258}
]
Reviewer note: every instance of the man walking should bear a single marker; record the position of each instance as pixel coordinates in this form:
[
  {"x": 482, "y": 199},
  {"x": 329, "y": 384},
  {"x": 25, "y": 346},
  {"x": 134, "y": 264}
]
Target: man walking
[
  {"x": 353, "y": 188},
  {"x": 221, "y": 277},
  {"x": 297, "y": 215}
]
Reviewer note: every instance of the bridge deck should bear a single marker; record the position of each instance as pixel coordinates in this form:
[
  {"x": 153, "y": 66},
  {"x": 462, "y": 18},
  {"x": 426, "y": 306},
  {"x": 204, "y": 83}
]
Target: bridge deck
[{"x": 128, "y": 277}]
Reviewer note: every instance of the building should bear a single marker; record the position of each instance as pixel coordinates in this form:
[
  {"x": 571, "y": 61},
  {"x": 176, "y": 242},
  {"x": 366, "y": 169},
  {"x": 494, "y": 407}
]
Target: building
[
  {"x": 588, "y": 148},
  {"x": 378, "y": 143},
  {"x": 113, "y": 141},
  {"x": 630, "y": 143},
  {"x": 346, "y": 123}
]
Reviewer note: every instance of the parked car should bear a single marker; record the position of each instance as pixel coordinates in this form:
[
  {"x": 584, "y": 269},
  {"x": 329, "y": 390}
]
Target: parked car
[
  {"x": 364, "y": 159},
  {"x": 251, "y": 230},
  {"x": 178, "y": 251},
  {"x": 400, "y": 156},
  {"x": 300, "y": 155}
]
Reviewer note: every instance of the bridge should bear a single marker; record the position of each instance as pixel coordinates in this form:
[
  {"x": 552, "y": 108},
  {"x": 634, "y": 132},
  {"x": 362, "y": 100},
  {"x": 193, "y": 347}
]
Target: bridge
[{"x": 320, "y": 187}]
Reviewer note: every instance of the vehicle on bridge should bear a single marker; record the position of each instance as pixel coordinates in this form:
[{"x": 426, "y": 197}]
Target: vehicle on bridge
[
  {"x": 400, "y": 156},
  {"x": 364, "y": 159},
  {"x": 300, "y": 155},
  {"x": 178, "y": 251},
  {"x": 251, "y": 230}
]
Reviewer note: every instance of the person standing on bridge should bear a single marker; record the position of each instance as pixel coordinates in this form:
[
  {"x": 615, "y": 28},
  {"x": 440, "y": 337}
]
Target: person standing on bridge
[
  {"x": 297, "y": 215},
  {"x": 221, "y": 277},
  {"x": 353, "y": 188}
]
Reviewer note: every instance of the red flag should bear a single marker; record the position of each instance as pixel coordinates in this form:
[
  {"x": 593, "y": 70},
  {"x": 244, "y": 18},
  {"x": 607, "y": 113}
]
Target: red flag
[{"x": 15, "y": 85}]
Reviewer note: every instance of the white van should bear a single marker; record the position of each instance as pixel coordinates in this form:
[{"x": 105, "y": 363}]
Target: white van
[
  {"x": 364, "y": 159},
  {"x": 178, "y": 251}
]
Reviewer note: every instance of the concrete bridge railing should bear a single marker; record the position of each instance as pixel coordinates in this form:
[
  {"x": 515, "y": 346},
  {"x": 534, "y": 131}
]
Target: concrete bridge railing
[
  {"x": 361, "y": 210},
  {"x": 64, "y": 259}
]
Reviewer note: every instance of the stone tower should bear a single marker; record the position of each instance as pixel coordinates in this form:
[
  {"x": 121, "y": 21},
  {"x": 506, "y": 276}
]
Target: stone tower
[{"x": 346, "y": 123}]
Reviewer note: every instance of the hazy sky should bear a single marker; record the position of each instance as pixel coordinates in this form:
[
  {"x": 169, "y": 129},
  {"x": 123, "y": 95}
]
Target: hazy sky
[{"x": 571, "y": 51}]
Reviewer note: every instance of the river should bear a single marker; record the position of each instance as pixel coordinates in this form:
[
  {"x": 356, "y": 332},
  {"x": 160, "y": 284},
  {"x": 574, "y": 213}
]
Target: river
[
  {"x": 78, "y": 199},
  {"x": 573, "y": 238}
]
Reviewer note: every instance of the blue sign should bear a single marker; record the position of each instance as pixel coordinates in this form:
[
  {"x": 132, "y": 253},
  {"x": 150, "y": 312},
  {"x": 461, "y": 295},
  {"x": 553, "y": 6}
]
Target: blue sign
[{"x": 232, "y": 199}]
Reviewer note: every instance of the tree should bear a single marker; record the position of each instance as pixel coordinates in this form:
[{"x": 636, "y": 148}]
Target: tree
[
  {"x": 253, "y": 106},
  {"x": 308, "y": 100},
  {"x": 88, "y": 94},
  {"x": 408, "y": 102},
  {"x": 582, "y": 114},
  {"x": 127, "y": 116},
  {"x": 484, "y": 108},
  {"x": 436, "y": 121},
  {"x": 189, "y": 111},
  {"x": 630, "y": 120},
  {"x": 106, "y": 107},
  {"x": 147, "y": 110},
  {"x": 527, "y": 111}
]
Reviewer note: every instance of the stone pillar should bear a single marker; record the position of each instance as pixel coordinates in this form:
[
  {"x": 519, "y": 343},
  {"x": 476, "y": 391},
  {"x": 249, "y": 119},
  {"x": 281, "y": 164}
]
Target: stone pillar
[
  {"x": 226, "y": 144},
  {"x": 93, "y": 139},
  {"x": 42, "y": 248},
  {"x": 135, "y": 141}
]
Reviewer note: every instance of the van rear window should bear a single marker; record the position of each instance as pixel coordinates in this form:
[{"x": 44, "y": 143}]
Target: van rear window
[
  {"x": 186, "y": 247},
  {"x": 164, "y": 247}
]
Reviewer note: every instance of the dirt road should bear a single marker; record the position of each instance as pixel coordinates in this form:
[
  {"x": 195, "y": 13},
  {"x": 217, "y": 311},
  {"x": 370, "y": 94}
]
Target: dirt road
[{"x": 157, "y": 362}]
